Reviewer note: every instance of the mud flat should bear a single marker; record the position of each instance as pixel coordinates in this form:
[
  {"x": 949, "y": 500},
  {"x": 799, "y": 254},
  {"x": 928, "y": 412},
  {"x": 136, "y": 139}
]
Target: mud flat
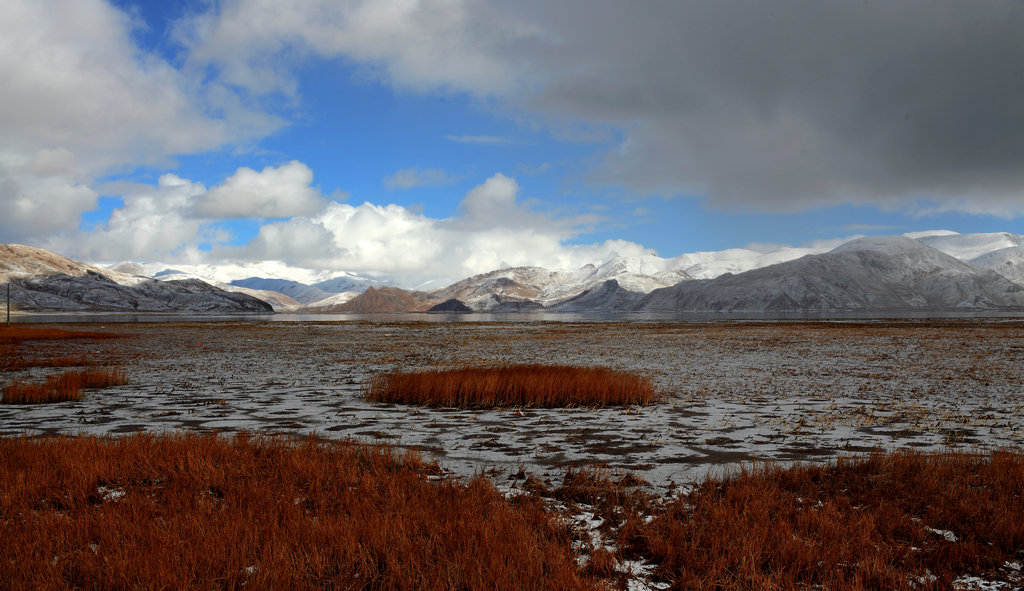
[{"x": 734, "y": 392}]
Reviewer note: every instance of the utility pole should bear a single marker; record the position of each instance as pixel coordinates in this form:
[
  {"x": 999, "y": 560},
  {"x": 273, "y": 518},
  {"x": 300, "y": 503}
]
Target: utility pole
[{"x": 8, "y": 304}]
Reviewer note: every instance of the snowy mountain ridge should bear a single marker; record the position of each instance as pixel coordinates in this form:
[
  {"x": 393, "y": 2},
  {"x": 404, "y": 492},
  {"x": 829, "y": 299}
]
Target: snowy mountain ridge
[
  {"x": 42, "y": 280},
  {"x": 836, "y": 274},
  {"x": 872, "y": 274}
]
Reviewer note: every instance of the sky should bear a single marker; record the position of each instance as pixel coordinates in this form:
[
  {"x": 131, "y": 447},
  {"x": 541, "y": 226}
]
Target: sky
[{"x": 426, "y": 139}]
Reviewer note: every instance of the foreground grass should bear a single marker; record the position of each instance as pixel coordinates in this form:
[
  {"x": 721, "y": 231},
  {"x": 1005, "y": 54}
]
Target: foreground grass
[
  {"x": 202, "y": 512},
  {"x": 889, "y": 521},
  {"x": 67, "y": 386},
  {"x": 546, "y": 386}
]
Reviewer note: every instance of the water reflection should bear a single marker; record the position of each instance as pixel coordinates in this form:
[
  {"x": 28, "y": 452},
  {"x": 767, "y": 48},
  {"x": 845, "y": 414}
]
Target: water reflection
[{"x": 62, "y": 317}]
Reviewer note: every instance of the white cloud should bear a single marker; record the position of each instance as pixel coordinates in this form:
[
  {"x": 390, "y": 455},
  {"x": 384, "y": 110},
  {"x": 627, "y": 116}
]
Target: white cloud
[
  {"x": 410, "y": 178},
  {"x": 79, "y": 99},
  {"x": 419, "y": 44},
  {"x": 169, "y": 221},
  {"x": 279, "y": 192},
  {"x": 494, "y": 202},
  {"x": 154, "y": 223},
  {"x": 494, "y": 229}
]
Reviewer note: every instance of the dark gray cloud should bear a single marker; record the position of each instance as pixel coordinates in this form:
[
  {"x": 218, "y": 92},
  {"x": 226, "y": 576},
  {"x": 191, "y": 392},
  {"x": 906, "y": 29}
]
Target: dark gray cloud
[
  {"x": 789, "y": 104},
  {"x": 771, "y": 104}
]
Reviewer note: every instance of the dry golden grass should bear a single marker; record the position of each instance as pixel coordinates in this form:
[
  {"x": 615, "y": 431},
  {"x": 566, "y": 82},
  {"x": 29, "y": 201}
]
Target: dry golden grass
[
  {"x": 19, "y": 334},
  {"x": 63, "y": 387},
  {"x": 546, "y": 386},
  {"x": 870, "y": 523},
  {"x": 202, "y": 512}
]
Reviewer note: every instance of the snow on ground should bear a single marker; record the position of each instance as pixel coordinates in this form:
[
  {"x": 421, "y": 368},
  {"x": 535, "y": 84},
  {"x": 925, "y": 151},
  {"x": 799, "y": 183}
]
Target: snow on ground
[{"x": 735, "y": 393}]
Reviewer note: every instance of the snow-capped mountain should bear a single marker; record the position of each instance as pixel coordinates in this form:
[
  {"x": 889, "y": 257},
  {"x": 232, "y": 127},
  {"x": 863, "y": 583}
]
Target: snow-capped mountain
[
  {"x": 708, "y": 265},
  {"x": 286, "y": 288},
  {"x": 300, "y": 292},
  {"x": 606, "y": 297},
  {"x": 349, "y": 282},
  {"x": 969, "y": 246},
  {"x": 875, "y": 274},
  {"x": 1001, "y": 252},
  {"x": 385, "y": 299},
  {"x": 1008, "y": 262},
  {"x": 534, "y": 287},
  {"x": 331, "y": 302},
  {"x": 926, "y": 270},
  {"x": 42, "y": 280}
]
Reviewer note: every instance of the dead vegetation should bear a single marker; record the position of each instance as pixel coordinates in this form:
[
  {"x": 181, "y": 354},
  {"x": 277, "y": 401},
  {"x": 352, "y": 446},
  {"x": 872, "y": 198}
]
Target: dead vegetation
[
  {"x": 545, "y": 386},
  {"x": 15, "y": 356},
  {"x": 200, "y": 512},
  {"x": 63, "y": 387},
  {"x": 889, "y": 521},
  {"x": 19, "y": 334}
]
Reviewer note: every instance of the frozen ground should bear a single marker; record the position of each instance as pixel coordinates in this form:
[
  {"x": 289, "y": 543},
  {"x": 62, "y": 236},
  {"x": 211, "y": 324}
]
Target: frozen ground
[{"x": 734, "y": 392}]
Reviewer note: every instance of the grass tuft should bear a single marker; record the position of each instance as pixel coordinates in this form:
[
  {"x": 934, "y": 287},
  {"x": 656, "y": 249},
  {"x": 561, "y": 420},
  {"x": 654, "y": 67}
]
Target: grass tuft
[
  {"x": 544, "y": 386},
  {"x": 62, "y": 388}
]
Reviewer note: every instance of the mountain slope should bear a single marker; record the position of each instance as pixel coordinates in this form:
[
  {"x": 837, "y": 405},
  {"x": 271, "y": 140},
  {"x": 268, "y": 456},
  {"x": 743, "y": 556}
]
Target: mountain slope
[
  {"x": 971, "y": 246},
  {"x": 869, "y": 274},
  {"x": 384, "y": 300},
  {"x": 300, "y": 292},
  {"x": 534, "y": 288},
  {"x": 42, "y": 280},
  {"x": 1008, "y": 262},
  {"x": 607, "y": 297}
]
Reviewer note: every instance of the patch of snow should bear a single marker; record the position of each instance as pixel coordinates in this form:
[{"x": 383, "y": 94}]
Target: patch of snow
[
  {"x": 970, "y": 246},
  {"x": 110, "y": 493},
  {"x": 944, "y": 533}
]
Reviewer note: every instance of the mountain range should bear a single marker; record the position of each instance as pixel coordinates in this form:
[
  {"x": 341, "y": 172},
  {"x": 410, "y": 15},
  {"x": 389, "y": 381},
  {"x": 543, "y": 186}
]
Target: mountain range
[
  {"x": 932, "y": 272},
  {"x": 45, "y": 281}
]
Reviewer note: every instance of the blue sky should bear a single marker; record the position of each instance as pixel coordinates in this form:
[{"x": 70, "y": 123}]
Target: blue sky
[{"x": 444, "y": 137}]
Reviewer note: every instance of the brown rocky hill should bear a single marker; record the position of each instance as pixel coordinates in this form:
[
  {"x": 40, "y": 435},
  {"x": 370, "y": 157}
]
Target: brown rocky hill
[{"x": 384, "y": 299}]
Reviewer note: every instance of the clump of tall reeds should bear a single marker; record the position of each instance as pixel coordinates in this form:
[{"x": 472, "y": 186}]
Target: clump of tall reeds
[
  {"x": 892, "y": 521},
  {"x": 63, "y": 387},
  {"x": 546, "y": 386},
  {"x": 186, "y": 511}
]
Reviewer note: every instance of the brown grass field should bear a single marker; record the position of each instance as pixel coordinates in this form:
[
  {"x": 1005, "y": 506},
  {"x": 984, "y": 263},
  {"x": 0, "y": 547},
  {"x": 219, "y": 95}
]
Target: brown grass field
[
  {"x": 19, "y": 334},
  {"x": 200, "y": 512},
  {"x": 63, "y": 387},
  {"x": 188, "y": 511},
  {"x": 544, "y": 386},
  {"x": 895, "y": 521}
]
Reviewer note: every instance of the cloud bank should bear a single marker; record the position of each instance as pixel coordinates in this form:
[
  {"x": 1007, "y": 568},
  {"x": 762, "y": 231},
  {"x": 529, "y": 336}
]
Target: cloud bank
[
  {"x": 80, "y": 100},
  {"x": 494, "y": 229},
  {"x": 776, "y": 106}
]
